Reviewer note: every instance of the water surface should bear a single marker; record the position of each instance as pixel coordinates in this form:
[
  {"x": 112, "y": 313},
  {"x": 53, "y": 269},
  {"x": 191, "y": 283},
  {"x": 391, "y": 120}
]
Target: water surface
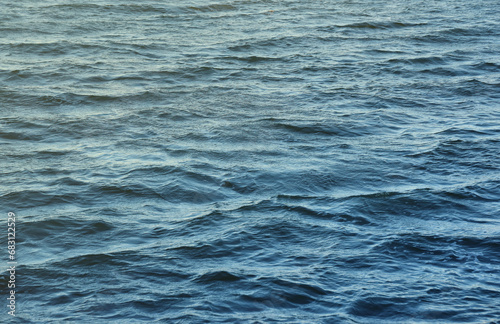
[{"x": 252, "y": 161}]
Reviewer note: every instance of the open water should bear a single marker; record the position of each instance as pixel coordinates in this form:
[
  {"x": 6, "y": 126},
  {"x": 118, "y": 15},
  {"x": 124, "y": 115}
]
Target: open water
[{"x": 251, "y": 161}]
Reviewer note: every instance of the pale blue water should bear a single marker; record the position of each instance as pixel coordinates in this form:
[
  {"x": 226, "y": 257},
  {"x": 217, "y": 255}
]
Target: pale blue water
[{"x": 252, "y": 161}]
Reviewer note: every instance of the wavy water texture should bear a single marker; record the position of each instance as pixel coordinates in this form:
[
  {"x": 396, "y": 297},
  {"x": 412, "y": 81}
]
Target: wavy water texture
[{"x": 250, "y": 161}]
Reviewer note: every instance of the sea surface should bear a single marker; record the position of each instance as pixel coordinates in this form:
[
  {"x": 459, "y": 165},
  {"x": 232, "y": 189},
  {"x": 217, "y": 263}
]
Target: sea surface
[{"x": 251, "y": 161}]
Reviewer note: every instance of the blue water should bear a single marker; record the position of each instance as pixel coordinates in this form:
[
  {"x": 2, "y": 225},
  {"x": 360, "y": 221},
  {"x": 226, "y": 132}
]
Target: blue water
[{"x": 251, "y": 161}]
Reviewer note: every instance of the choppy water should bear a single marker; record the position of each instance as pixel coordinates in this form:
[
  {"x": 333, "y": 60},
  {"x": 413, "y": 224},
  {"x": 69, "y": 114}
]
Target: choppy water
[{"x": 248, "y": 161}]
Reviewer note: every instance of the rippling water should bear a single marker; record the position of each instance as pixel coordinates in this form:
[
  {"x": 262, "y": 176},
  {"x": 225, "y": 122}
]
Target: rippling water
[{"x": 249, "y": 161}]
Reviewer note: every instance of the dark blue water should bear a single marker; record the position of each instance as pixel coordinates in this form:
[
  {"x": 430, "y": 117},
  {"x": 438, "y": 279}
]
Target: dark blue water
[{"x": 249, "y": 161}]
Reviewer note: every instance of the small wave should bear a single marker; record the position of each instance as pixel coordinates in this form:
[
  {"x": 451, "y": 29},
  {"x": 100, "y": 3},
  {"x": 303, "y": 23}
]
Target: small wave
[
  {"x": 339, "y": 217},
  {"x": 426, "y": 60},
  {"x": 442, "y": 71},
  {"x": 204, "y": 222},
  {"x": 17, "y": 136},
  {"x": 281, "y": 293},
  {"x": 253, "y": 58},
  {"x": 89, "y": 260},
  {"x": 318, "y": 129},
  {"x": 468, "y": 133},
  {"x": 472, "y": 31},
  {"x": 378, "y": 25},
  {"x": 486, "y": 66},
  {"x": 40, "y": 230},
  {"x": 73, "y": 6},
  {"x": 54, "y": 48},
  {"x": 35, "y": 198},
  {"x": 468, "y": 150},
  {"x": 217, "y": 276},
  {"x": 484, "y": 191},
  {"x": 203, "y": 251},
  {"x": 213, "y": 8},
  {"x": 72, "y": 99},
  {"x": 444, "y": 251},
  {"x": 123, "y": 8},
  {"x": 143, "y": 8},
  {"x": 127, "y": 191},
  {"x": 381, "y": 307}
]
